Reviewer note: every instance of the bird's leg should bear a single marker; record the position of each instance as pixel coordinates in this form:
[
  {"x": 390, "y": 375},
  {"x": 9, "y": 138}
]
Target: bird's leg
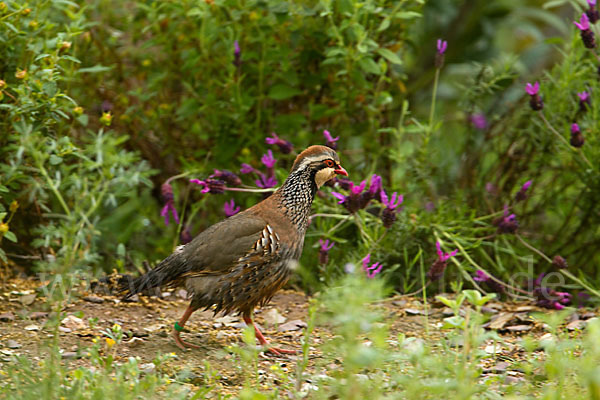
[
  {"x": 263, "y": 341},
  {"x": 179, "y": 327}
]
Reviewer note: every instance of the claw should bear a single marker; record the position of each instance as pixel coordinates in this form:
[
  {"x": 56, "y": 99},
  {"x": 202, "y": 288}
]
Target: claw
[{"x": 180, "y": 343}]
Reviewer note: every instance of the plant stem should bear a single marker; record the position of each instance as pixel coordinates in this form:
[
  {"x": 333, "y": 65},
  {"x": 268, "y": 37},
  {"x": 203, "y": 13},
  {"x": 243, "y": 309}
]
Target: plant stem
[
  {"x": 433, "y": 98},
  {"x": 543, "y": 117}
]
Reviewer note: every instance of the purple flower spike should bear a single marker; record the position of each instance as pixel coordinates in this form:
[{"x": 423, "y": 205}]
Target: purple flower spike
[
  {"x": 166, "y": 191},
  {"x": 330, "y": 141},
  {"x": 247, "y": 169},
  {"x": 442, "y": 45},
  {"x": 584, "y": 23},
  {"x": 388, "y": 215},
  {"x": 230, "y": 208},
  {"x": 532, "y": 90},
  {"x": 535, "y": 102},
  {"x": 324, "y": 251},
  {"x": 585, "y": 101},
  {"x": 268, "y": 160},
  {"x": 577, "y": 139},
  {"x": 374, "y": 191},
  {"x": 436, "y": 271},
  {"x": 485, "y": 279},
  {"x": 339, "y": 196},
  {"x": 227, "y": 176},
  {"x": 522, "y": 193},
  {"x": 237, "y": 54},
  {"x": 266, "y": 182},
  {"x": 284, "y": 146},
  {"x": 213, "y": 186},
  {"x": 479, "y": 121},
  {"x": 372, "y": 269},
  {"x": 591, "y": 12},
  {"x": 507, "y": 223}
]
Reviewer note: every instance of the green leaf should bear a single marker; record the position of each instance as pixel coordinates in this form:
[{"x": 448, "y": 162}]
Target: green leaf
[
  {"x": 11, "y": 236},
  {"x": 282, "y": 92},
  {"x": 407, "y": 15},
  {"x": 368, "y": 65},
  {"x": 384, "y": 25},
  {"x": 390, "y": 56},
  {"x": 93, "y": 70},
  {"x": 55, "y": 160}
]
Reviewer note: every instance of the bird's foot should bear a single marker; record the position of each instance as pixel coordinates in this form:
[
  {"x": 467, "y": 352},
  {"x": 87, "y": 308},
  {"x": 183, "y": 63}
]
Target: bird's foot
[
  {"x": 181, "y": 344},
  {"x": 280, "y": 352}
]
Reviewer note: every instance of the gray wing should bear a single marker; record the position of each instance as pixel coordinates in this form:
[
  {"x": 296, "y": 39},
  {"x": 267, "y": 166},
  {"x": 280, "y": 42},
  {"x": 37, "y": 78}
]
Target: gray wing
[{"x": 218, "y": 248}]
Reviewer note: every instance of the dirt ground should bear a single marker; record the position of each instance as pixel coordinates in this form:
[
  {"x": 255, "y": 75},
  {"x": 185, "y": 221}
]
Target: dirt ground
[{"x": 147, "y": 325}]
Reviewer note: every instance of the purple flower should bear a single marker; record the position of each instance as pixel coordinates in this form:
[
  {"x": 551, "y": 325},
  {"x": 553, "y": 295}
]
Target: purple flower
[
  {"x": 591, "y": 12},
  {"x": 186, "y": 235},
  {"x": 436, "y": 271},
  {"x": 549, "y": 298},
  {"x": 166, "y": 191},
  {"x": 374, "y": 191},
  {"x": 442, "y": 45},
  {"x": 584, "y": 23},
  {"x": 354, "y": 201},
  {"x": 227, "y": 176},
  {"x": 586, "y": 34},
  {"x": 532, "y": 90},
  {"x": 479, "y": 121},
  {"x": 247, "y": 169},
  {"x": 485, "y": 279},
  {"x": 522, "y": 193},
  {"x": 372, "y": 269},
  {"x": 388, "y": 216},
  {"x": 284, "y": 146},
  {"x": 577, "y": 139},
  {"x": 324, "y": 251},
  {"x": 507, "y": 223},
  {"x": 559, "y": 262},
  {"x": 230, "y": 208},
  {"x": 213, "y": 186},
  {"x": 237, "y": 54},
  {"x": 585, "y": 101},
  {"x": 535, "y": 102},
  {"x": 265, "y": 181},
  {"x": 330, "y": 141},
  {"x": 268, "y": 160}
]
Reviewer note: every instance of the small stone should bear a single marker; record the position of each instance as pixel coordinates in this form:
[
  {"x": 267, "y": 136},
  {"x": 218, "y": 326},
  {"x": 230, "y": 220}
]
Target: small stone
[
  {"x": 182, "y": 293},
  {"x": 64, "y": 330},
  {"x": 273, "y": 317},
  {"x": 38, "y": 315},
  {"x": 576, "y": 325},
  {"x": 518, "y": 328},
  {"x": 94, "y": 299},
  {"x": 154, "y": 328},
  {"x": 399, "y": 303},
  {"x": 294, "y": 325},
  {"x": 135, "y": 342},
  {"x": 27, "y": 299},
  {"x": 7, "y": 317},
  {"x": 74, "y": 323},
  {"x": 12, "y": 344},
  {"x": 32, "y": 328},
  {"x": 488, "y": 310},
  {"x": 413, "y": 311},
  {"x": 69, "y": 354},
  {"x": 147, "y": 368}
]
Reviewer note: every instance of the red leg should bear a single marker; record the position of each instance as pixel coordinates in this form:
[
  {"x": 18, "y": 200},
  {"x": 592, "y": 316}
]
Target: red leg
[
  {"x": 178, "y": 341},
  {"x": 263, "y": 341}
]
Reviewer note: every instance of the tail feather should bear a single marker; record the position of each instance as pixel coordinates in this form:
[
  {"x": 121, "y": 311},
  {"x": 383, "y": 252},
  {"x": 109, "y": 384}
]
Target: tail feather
[{"x": 166, "y": 273}]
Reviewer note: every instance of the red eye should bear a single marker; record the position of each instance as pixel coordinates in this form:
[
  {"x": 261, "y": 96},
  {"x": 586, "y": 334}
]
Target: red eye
[{"x": 329, "y": 163}]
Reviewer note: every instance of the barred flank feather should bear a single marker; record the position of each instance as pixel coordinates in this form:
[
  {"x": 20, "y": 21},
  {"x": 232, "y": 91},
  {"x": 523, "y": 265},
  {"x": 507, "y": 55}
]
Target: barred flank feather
[{"x": 167, "y": 273}]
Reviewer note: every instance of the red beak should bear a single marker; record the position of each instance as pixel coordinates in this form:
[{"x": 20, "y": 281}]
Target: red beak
[{"x": 341, "y": 171}]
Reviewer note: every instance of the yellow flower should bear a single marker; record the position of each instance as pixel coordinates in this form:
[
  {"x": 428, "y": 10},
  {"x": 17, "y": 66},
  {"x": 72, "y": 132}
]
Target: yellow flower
[
  {"x": 106, "y": 118},
  {"x": 110, "y": 342},
  {"x": 21, "y": 74},
  {"x": 3, "y": 228},
  {"x": 14, "y": 206}
]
